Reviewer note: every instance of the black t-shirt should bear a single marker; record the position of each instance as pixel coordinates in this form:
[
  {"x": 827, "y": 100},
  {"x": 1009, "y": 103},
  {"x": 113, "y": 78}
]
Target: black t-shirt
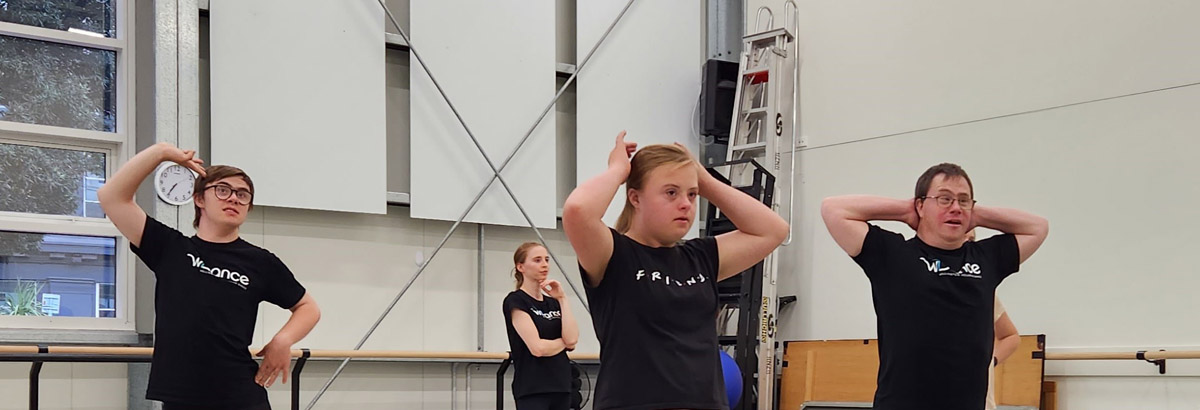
[
  {"x": 206, "y": 302},
  {"x": 654, "y": 313},
  {"x": 533, "y": 374},
  {"x": 934, "y": 317}
]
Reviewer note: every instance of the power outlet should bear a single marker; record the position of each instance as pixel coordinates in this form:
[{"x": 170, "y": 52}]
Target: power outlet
[{"x": 802, "y": 142}]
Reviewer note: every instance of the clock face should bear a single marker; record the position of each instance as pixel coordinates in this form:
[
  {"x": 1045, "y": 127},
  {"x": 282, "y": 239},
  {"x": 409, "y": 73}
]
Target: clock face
[{"x": 174, "y": 184}]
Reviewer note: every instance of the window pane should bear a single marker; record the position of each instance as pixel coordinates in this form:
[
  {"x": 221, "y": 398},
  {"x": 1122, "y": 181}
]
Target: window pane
[
  {"x": 108, "y": 297},
  {"x": 57, "y": 84},
  {"x": 56, "y": 275},
  {"x": 50, "y": 180},
  {"x": 96, "y": 16}
]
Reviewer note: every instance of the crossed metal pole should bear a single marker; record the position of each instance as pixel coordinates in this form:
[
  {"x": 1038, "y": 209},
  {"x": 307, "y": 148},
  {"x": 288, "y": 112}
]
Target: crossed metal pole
[{"x": 495, "y": 177}]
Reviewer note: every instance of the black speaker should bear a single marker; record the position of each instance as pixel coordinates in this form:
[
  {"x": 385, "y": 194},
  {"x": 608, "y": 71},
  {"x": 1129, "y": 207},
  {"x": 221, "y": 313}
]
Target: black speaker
[
  {"x": 576, "y": 385},
  {"x": 716, "y": 99}
]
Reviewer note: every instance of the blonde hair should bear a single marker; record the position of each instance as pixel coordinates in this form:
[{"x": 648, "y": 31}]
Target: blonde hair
[
  {"x": 519, "y": 258},
  {"x": 645, "y": 160}
]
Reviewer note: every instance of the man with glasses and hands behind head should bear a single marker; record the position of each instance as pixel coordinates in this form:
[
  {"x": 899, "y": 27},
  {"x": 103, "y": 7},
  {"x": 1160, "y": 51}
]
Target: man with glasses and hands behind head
[
  {"x": 934, "y": 293},
  {"x": 208, "y": 289}
]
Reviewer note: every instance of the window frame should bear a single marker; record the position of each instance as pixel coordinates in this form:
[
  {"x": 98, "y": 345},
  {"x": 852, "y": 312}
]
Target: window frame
[{"x": 117, "y": 146}]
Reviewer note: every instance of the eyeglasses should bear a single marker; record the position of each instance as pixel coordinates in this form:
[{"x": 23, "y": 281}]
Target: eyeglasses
[
  {"x": 224, "y": 191},
  {"x": 945, "y": 201}
]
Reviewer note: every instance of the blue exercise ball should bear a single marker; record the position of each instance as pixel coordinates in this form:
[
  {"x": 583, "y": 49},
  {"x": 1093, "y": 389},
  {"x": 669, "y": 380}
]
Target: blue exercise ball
[{"x": 733, "y": 378}]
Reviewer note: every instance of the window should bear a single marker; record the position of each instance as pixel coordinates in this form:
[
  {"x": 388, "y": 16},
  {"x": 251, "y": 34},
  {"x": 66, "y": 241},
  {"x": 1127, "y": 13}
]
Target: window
[
  {"x": 51, "y": 181},
  {"x": 56, "y": 275},
  {"x": 47, "y": 83},
  {"x": 66, "y": 122},
  {"x": 96, "y": 17},
  {"x": 106, "y": 300}
]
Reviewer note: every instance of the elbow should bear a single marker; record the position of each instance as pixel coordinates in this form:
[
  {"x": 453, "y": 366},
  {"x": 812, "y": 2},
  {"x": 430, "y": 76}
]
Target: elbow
[
  {"x": 307, "y": 309},
  {"x": 779, "y": 232},
  {"x": 108, "y": 198},
  {"x": 315, "y": 313},
  {"x": 571, "y": 342},
  {"x": 574, "y": 214},
  {"x": 572, "y": 210},
  {"x": 1044, "y": 228},
  {"x": 829, "y": 208},
  {"x": 104, "y": 195}
]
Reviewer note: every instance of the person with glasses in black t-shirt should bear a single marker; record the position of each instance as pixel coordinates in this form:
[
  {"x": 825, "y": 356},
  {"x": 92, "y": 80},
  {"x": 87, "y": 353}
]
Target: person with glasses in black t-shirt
[
  {"x": 654, "y": 298},
  {"x": 541, "y": 330},
  {"x": 934, "y": 294},
  {"x": 208, "y": 289}
]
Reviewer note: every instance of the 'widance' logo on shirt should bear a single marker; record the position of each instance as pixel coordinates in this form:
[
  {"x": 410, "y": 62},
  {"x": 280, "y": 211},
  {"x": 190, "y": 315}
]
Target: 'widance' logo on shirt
[
  {"x": 241, "y": 280},
  {"x": 551, "y": 315},
  {"x": 657, "y": 276},
  {"x": 969, "y": 270}
]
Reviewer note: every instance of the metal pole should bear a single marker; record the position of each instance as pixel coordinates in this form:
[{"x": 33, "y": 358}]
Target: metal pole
[
  {"x": 479, "y": 296},
  {"x": 35, "y": 372},
  {"x": 296, "y": 369},
  {"x": 500, "y": 382}
]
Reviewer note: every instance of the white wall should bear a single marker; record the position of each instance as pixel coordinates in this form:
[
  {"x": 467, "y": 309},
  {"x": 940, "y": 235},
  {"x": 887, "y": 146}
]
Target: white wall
[
  {"x": 1114, "y": 177},
  {"x": 92, "y": 386},
  {"x": 498, "y": 101},
  {"x": 354, "y": 264},
  {"x": 280, "y": 94},
  {"x": 644, "y": 79}
]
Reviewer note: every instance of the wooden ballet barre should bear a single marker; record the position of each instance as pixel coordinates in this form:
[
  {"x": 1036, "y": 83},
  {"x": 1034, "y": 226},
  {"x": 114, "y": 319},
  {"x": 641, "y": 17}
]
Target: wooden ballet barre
[
  {"x": 403, "y": 354},
  {"x": 338, "y": 354},
  {"x": 39, "y": 355},
  {"x": 1158, "y": 358},
  {"x": 1139, "y": 355}
]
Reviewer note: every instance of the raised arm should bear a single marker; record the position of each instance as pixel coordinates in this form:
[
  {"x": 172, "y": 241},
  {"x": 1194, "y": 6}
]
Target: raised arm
[
  {"x": 846, "y": 217},
  {"x": 116, "y": 196},
  {"x": 585, "y": 207},
  {"x": 1030, "y": 230},
  {"x": 759, "y": 229}
]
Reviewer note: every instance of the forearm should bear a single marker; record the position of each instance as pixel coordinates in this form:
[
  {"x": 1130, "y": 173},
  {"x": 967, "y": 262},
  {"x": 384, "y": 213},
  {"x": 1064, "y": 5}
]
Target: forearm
[
  {"x": 122, "y": 185},
  {"x": 747, "y": 213},
  {"x": 591, "y": 198},
  {"x": 570, "y": 329},
  {"x": 1006, "y": 347},
  {"x": 866, "y": 208},
  {"x": 1008, "y": 220},
  {"x": 547, "y": 348},
  {"x": 303, "y": 319}
]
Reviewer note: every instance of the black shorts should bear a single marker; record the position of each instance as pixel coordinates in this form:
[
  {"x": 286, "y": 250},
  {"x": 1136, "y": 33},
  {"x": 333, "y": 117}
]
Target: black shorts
[
  {"x": 543, "y": 401},
  {"x": 266, "y": 405}
]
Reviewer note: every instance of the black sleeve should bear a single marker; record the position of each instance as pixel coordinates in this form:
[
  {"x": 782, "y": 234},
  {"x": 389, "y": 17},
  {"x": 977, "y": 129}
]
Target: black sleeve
[
  {"x": 704, "y": 251},
  {"x": 284, "y": 290},
  {"x": 156, "y": 239},
  {"x": 513, "y": 302},
  {"x": 873, "y": 256},
  {"x": 619, "y": 251},
  {"x": 1004, "y": 252},
  {"x": 508, "y": 306}
]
